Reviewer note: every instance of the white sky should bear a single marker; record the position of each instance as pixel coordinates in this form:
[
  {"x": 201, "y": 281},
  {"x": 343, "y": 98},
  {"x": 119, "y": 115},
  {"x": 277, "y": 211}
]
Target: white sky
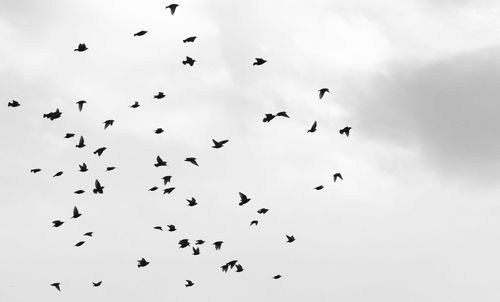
[{"x": 415, "y": 219}]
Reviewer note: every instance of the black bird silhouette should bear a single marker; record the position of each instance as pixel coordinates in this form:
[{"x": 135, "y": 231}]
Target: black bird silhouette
[
  {"x": 76, "y": 214},
  {"x": 81, "y": 143},
  {"x": 56, "y": 285},
  {"x": 218, "y": 245},
  {"x": 153, "y": 188},
  {"x": 268, "y": 117},
  {"x": 200, "y": 242},
  {"x": 158, "y": 228},
  {"x": 98, "y": 188},
  {"x": 88, "y": 234},
  {"x": 14, "y": 103},
  {"x": 69, "y": 135},
  {"x": 190, "y": 39},
  {"x": 322, "y": 92},
  {"x": 277, "y": 277},
  {"x": 53, "y": 115},
  {"x": 110, "y": 169},
  {"x": 160, "y": 95},
  {"x": 263, "y": 211},
  {"x": 191, "y": 160},
  {"x": 168, "y": 190},
  {"x": 57, "y": 223},
  {"x": 158, "y": 131},
  {"x": 80, "y": 243},
  {"x": 282, "y": 114},
  {"x": 79, "y": 192},
  {"x": 232, "y": 263},
  {"x": 259, "y": 61},
  {"x": 243, "y": 199},
  {"x": 142, "y": 262},
  {"x": 219, "y": 144},
  {"x": 36, "y": 170},
  {"x": 100, "y": 151},
  {"x": 108, "y": 123},
  {"x": 140, "y": 33},
  {"x": 189, "y": 283},
  {"x": 96, "y": 284},
  {"x": 337, "y": 175},
  {"x": 191, "y": 202},
  {"x": 135, "y": 105},
  {"x": 83, "y": 167},
  {"x": 172, "y": 8},
  {"x": 81, "y": 47},
  {"x": 224, "y": 268},
  {"x": 345, "y": 131},
  {"x": 254, "y": 222},
  {"x": 183, "y": 243},
  {"x": 80, "y": 105},
  {"x": 166, "y": 179},
  {"x": 290, "y": 238},
  {"x": 171, "y": 228},
  {"x": 190, "y": 61},
  {"x": 160, "y": 162},
  {"x": 313, "y": 127},
  {"x": 196, "y": 251},
  {"x": 58, "y": 174},
  {"x": 319, "y": 187},
  {"x": 239, "y": 268}
]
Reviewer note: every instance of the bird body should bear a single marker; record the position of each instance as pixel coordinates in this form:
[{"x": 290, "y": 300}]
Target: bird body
[
  {"x": 219, "y": 144},
  {"x": 80, "y": 243},
  {"x": 76, "y": 214},
  {"x": 345, "y": 131},
  {"x": 218, "y": 245},
  {"x": 36, "y": 170},
  {"x": 13, "y": 104},
  {"x": 183, "y": 243},
  {"x": 57, "y": 223},
  {"x": 168, "y": 190},
  {"x": 81, "y": 47},
  {"x": 53, "y": 115},
  {"x": 322, "y": 92},
  {"x": 81, "y": 143},
  {"x": 290, "y": 238},
  {"x": 83, "y": 167},
  {"x": 57, "y": 285},
  {"x": 171, "y": 228},
  {"x": 89, "y": 234},
  {"x": 159, "y": 96},
  {"x": 259, "y": 61},
  {"x": 96, "y": 284},
  {"x": 263, "y": 211},
  {"x": 98, "y": 188},
  {"x": 189, "y": 283},
  {"x": 100, "y": 151},
  {"x": 337, "y": 176},
  {"x": 313, "y": 127},
  {"x": 191, "y": 160},
  {"x": 254, "y": 222},
  {"x": 108, "y": 123},
  {"x": 191, "y": 202},
  {"x": 142, "y": 262},
  {"x": 69, "y": 135},
  {"x": 58, "y": 174},
  {"x": 140, "y": 33},
  {"x": 80, "y": 104},
  {"x": 196, "y": 251},
  {"x": 189, "y": 61},
  {"x": 243, "y": 199},
  {"x": 135, "y": 105},
  {"x": 319, "y": 187},
  {"x": 190, "y": 39},
  {"x": 160, "y": 162},
  {"x": 166, "y": 179}
]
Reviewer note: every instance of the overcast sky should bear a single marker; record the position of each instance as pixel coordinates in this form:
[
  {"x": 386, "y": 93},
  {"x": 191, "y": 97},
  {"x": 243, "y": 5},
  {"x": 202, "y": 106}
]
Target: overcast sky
[{"x": 415, "y": 218}]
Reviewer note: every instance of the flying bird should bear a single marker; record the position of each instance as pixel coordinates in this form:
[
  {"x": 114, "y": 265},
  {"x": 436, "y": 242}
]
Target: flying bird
[
  {"x": 239, "y": 268},
  {"x": 58, "y": 174},
  {"x": 189, "y": 283},
  {"x": 110, "y": 169},
  {"x": 268, "y": 117},
  {"x": 80, "y": 243},
  {"x": 100, "y": 151},
  {"x": 313, "y": 127},
  {"x": 53, "y": 115},
  {"x": 168, "y": 190},
  {"x": 57, "y": 223},
  {"x": 282, "y": 114},
  {"x": 171, "y": 228},
  {"x": 14, "y": 103},
  {"x": 69, "y": 135},
  {"x": 191, "y": 160},
  {"x": 219, "y": 144},
  {"x": 191, "y": 202},
  {"x": 224, "y": 268},
  {"x": 36, "y": 170},
  {"x": 218, "y": 245},
  {"x": 166, "y": 179},
  {"x": 108, "y": 123},
  {"x": 290, "y": 238},
  {"x": 336, "y": 176},
  {"x": 81, "y": 143},
  {"x": 183, "y": 243},
  {"x": 277, "y": 277},
  {"x": 135, "y": 105},
  {"x": 98, "y": 188},
  {"x": 83, "y": 167},
  {"x": 196, "y": 251},
  {"x": 140, "y": 33},
  {"x": 89, "y": 234},
  {"x": 160, "y": 162},
  {"x": 259, "y": 61},
  {"x": 142, "y": 262},
  {"x": 263, "y": 211},
  {"x": 152, "y": 189},
  {"x": 172, "y": 8},
  {"x": 158, "y": 131},
  {"x": 190, "y": 61},
  {"x": 96, "y": 284},
  {"x": 158, "y": 228},
  {"x": 79, "y": 192},
  {"x": 200, "y": 242},
  {"x": 80, "y": 105},
  {"x": 243, "y": 199},
  {"x": 56, "y": 285},
  {"x": 81, "y": 47},
  {"x": 160, "y": 95},
  {"x": 345, "y": 131},
  {"x": 254, "y": 222},
  {"x": 319, "y": 187},
  {"x": 190, "y": 39},
  {"x": 76, "y": 214},
  {"x": 322, "y": 92}
]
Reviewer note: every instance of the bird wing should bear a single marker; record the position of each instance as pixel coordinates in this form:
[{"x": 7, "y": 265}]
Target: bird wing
[
  {"x": 75, "y": 211},
  {"x": 243, "y": 196}
]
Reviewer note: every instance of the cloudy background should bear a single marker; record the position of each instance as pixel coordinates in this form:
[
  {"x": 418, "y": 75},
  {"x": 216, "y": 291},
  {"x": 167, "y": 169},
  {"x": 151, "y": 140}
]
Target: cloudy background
[{"x": 415, "y": 219}]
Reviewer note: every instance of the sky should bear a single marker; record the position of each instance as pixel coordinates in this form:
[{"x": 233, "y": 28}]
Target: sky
[{"x": 415, "y": 217}]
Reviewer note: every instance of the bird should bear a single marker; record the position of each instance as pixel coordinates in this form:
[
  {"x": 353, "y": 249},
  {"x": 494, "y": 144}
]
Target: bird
[
  {"x": 135, "y": 105},
  {"x": 83, "y": 167},
  {"x": 218, "y": 245},
  {"x": 142, "y": 262},
  {"x": 58, "y": 174},
  {"x": 243, "y": 199},
  {"x": 168, "y": 190},
  {"x": 277, "y": 277},
  {"x": 160, "y": 95},
  {"x": 268, "y": 117},
  {"x": 108, "y": 123},
  {"x": 254, "y": 222},
  {"x": 232, "y": 263},
  {"x": 282, "y": 114},
  {"x": 189, "y": 283},
  {"x": 152, "y": 189},
  {"x": 190, "y": 39},
  {"x": 290, "y": 238},
  {"x": 57, "y": 285},
  {"x": 319, "y": 187},
  {"x": 313, "y": 127},
  {"x": 81, "y": 47},
  {"x": 166, "y": 179},
  {"x": 96, "y": 284},
  {"x": 191, "y": 160},
  {"x": 200, "y": 242},
  {"x": 196, "y": 251},
  {"x": 158, "y": 228},
  {"x": 259, "y": 61},
  {"x": 79, "y": 192},
  {"x": 80, "y": 105},
  {"x": 57, "y": 223},
  {"x": 88, "y": 234},
  {"x": 100, "y": 151},
  {"x": 36, "y": 170},
  {"x": 336, "y": 176},
  {"x": 219, "y": 144},
  {"x": 69, "y": 135},
  {"x": 158, "y": 131},
  {"x": 53, "y": 115},
  {"x": 224, "y": 268},
  {"x": 263, "y": 211},
  {"x": 76, "y": 214},
  {"x": 239, "y": 268},
  {"x": 171, "y": 228},
  {"x": 80, "y": 243},
  {"x": 183, "y": 243},
  {"x": 140, "y": 33},
  {"x": 345, "y": 131},
  {"x": 110, "y": 169},
  {"x": 81, "y": 143},
  {"x": 160, "y": 162},
  {"x": 190, "y": 61},
  {"x": 14, "y": 103},
  {"x": 98, "y": 188},
  {"x": 172, "y": 8},
  {"x": 191, "y": 202},
  {"x": 322, "y": 92}
]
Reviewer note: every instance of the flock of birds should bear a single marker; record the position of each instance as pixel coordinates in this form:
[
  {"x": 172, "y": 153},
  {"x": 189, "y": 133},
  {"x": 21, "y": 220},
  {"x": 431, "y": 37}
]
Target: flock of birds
[{"x": 99, "y": 189}]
